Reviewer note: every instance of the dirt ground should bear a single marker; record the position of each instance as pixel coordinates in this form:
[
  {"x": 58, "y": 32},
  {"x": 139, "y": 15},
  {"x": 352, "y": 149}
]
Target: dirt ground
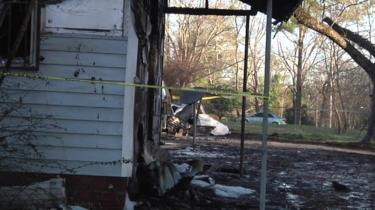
[{"x": 300, "y": 176}]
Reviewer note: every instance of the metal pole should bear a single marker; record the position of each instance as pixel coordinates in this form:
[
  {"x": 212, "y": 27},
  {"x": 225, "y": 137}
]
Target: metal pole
[
  {"x": 244, "y": 89},
  {"x": 263, "y": 178},
  {"x": 195, "y": 122}
]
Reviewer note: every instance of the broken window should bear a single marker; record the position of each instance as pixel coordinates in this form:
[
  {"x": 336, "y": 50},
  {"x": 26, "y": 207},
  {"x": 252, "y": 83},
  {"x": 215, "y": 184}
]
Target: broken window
[{"x": 19, "y": 34}]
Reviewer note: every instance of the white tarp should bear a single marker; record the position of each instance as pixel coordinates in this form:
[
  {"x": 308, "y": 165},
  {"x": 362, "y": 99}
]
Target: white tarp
[
  {"x": 221, "y": 190},
  {"x": 219, "y": 128}
]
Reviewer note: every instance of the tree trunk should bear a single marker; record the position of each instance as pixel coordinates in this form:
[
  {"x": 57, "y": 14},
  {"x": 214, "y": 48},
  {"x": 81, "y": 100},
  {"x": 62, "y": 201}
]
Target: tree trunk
[
  {"x": 299, "y": 83},
  {"x": 338, "y": 121},
  {"x": 330, "y": 92},
  {"x": 371, "y": 120},
  {"x": 342, "y": 103},
  {"x": 323, "y": 108}
]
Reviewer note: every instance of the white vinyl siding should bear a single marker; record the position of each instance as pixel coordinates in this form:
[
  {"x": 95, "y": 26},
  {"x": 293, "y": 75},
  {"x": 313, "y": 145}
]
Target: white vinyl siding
[{"x": 81, "y": 123}]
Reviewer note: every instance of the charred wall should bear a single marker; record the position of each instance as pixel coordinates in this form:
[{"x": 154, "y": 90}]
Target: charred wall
[{"x": 149, "y": 25}]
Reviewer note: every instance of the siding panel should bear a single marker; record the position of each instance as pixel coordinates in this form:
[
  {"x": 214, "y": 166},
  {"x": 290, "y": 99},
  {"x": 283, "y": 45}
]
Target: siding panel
[
  {"x": 74, "y": 123},
  {"x": 64, "y": 167},
  {"x": 70, "y": 154},
  {"x": 77, "y": 140},
  {"x": 16, "y": 83},
  {"x": 63, "y": 126},
  {"x": 83, "y": 44},
  {"x": 75, "y": 113},
  {"x": 83, "y": 59},
  {"x": 115, "y": 74},
  {"x": 66, "y": 99}
]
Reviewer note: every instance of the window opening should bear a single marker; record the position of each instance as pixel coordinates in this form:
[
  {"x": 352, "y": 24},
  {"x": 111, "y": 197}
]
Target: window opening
[{"x": 18, "y": 34}]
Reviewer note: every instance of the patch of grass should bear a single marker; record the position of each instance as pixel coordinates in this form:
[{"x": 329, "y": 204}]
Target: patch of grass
[{"x": 304, "y": 133}]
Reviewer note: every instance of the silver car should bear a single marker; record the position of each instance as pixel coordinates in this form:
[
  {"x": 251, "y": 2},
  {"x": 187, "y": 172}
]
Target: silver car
[{"x": 272, "y": 118}]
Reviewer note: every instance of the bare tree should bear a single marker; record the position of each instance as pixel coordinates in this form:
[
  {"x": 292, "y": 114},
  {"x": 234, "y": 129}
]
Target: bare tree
[
  {"x": 350, "y": 42},
  {"x": 298, "y": 62},
  {"x": 195, "y": 46}
]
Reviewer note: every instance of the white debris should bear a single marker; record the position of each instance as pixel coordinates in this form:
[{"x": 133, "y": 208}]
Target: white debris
[
  {"x": 211, "y": 180},
  {"x": 200, "y": 183},
  {"x": 77, "y": 208},
  {"x": 68, "y": 207},
  {"x": 204, "y": 178},
  {"x": 231, "y": 191},
  {"x": 183, "y": 168},
  {"x": 219, "y": 128},
  {"x": 190, "y": 152},
  {"x": 204, "y": 181},
  {"x": 207, "y": 120}
]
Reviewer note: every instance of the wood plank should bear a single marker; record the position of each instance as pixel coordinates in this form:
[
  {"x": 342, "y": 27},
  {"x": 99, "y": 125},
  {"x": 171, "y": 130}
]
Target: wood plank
[
  {"x": 82, "y": 59},
  {"x": 82, "y": 44},
  {"x": 68, "y": 113},
  {"x": 103, "y": 73},
  {"x": 77, "y": 140},
  {"x": 61, "y": 126},
  {"x": 66, "y": 154},
  {"x": 64, "y": 99},
  {"x": 26, "y": 84},
  {"x": 84, "y": 36}
]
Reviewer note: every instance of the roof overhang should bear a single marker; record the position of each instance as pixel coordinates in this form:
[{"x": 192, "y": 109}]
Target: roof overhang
[{"x": 282, "y": 9}]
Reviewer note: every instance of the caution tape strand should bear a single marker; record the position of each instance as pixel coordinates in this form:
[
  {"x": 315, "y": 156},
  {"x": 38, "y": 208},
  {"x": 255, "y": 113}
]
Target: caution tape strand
[{"x": 128, "y": 84}]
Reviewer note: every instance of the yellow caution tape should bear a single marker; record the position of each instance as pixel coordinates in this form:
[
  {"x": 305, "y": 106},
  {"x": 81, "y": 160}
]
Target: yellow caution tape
[
  {"x": 211, "y": 97},
  {"x": 127, "y": 84},
  {"x": 206, "y": 98}
]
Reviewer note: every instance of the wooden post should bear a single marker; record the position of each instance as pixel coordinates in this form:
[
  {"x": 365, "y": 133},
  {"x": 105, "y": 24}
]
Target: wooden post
[
  {"x": 195, "y": 122},
  {"x": 267, "y": 68},
  {"x": 244, "y": 89}
]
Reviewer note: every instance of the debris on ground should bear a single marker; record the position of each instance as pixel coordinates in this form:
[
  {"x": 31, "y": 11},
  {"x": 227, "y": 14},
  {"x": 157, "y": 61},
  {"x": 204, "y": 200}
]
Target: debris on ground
[
  {"x": 70, "y": 207},
  {"x": 298, "y": 177},
  {"x": 207, "y": 182},
  {"x": 340, "y": 187},
  {"x": 218, "y": 128},
  {"x": 183, "y": 168},
  {"x": 202, "y": 181},
  {"x": 231, "y": 191}
]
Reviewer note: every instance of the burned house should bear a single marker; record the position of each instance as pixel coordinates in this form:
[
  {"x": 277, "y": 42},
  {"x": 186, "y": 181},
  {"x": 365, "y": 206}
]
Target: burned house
[{"x": 68, "y": 105}]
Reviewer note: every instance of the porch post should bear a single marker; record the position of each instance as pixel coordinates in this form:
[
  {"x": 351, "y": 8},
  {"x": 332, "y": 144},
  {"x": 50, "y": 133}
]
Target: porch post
[{"x": 267, "y": 67}]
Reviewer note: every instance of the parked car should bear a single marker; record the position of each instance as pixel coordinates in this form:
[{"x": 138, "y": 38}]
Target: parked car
[{"x": 272, "y": 118}]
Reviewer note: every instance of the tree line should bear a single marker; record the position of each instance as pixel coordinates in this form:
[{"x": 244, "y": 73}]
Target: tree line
[{"x": 322, "y": 60}]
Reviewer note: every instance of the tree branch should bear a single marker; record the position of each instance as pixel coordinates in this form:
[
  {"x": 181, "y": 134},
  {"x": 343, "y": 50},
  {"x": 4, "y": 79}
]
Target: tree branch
[
  {"x": 354, "y": 37},
  {"x": 306, "y": 19}
]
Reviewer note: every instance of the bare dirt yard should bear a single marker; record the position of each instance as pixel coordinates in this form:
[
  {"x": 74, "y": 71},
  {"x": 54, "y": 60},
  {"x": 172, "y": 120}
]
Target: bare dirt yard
[{"x": 300, "y": 176}]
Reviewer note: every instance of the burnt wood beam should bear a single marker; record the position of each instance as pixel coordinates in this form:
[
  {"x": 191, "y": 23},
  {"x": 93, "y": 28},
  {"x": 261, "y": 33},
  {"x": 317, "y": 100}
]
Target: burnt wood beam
[{"x": 204, "y": 11}]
